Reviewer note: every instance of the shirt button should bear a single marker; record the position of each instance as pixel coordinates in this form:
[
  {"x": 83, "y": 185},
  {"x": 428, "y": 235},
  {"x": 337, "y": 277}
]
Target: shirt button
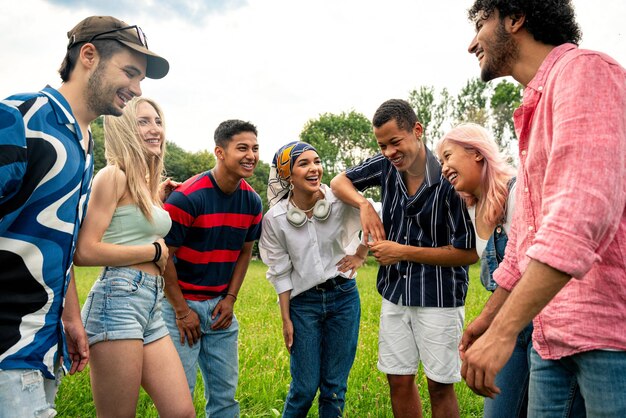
[
  {"x": 530, "y": 227},
  {"x": 526, "y": 189},
  {"x": 404, "y": 276},
  {"x": 523, "y": 152},
  {"x": 540, "y": 88}
]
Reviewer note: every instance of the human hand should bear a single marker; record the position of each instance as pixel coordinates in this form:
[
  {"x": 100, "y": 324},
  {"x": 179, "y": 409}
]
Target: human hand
[
  {"x": 77, "y": 345},
  {"x": 484, "y": 359},
  {"x": 288, "y": 334},
  {"x": 189, "y": 327},
  {"x": 166, "y": 187},
  {"x": 350, "y": 263},
  {"x": 162, "y": 261},
  {"x": 224, "y": 313},
  {"x": 373, "y": 229},
  {"x": 473, "y": 331},
  {"x": 386, "y": 252}
]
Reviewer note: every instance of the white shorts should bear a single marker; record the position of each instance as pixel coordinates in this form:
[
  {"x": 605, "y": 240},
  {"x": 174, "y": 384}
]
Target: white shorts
[{"x": 410, "y": 334}]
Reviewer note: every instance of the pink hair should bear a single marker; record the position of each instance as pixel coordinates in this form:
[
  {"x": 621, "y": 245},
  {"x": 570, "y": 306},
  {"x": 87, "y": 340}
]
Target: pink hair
[{"x": 496, "y": 172}]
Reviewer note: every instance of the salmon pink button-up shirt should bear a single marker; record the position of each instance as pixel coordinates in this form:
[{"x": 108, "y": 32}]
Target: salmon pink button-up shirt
[{"x": 571, "y": 198}]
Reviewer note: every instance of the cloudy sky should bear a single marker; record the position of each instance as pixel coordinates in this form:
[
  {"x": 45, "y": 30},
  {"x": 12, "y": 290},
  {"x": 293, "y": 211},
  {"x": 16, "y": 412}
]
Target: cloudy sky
[{"x": 276, "y": 63}]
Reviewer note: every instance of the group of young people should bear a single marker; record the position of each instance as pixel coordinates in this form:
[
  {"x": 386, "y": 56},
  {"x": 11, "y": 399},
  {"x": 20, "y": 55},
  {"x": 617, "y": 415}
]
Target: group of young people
[{"x": 550, "y": 239}]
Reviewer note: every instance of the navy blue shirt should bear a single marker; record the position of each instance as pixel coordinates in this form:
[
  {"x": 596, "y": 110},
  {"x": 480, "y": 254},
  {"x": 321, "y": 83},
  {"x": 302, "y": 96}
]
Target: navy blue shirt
[
  {"x": 210, "y": 228},
  {"x": 434, "y": 217}
]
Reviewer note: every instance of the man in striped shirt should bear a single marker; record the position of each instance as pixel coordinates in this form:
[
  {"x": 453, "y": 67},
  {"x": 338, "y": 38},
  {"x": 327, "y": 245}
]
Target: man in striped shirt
[
  {"x": 216, "y": 217},
  {"x": 424, "y": 246}
]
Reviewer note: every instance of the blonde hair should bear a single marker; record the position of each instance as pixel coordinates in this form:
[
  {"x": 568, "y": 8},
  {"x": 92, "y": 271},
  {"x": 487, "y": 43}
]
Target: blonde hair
[
  {"x": 126, "y": 150},
  {"x": 496, "y": 172}
]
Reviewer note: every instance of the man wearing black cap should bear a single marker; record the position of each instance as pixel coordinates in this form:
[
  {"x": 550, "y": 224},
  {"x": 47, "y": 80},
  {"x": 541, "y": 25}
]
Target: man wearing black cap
[{"x": 46, "y": 166}]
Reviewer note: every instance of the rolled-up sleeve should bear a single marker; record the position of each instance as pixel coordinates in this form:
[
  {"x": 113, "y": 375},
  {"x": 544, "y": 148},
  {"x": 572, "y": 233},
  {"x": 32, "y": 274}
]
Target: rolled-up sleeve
[{"x": 583, "y": 194}]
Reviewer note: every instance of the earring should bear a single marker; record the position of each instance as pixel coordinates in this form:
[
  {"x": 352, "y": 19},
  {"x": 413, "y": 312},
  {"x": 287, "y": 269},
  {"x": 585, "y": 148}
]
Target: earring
[{"x": 290, "y": 187}]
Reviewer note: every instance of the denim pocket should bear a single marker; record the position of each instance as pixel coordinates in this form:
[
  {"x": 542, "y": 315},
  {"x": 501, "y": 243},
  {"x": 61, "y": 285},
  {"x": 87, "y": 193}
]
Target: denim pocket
[
  {"x": 347, "y": 287},
  {"x": 122, "y": 287}
]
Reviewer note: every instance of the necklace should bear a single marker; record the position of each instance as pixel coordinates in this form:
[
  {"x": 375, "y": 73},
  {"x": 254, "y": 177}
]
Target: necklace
[{"x": 303, "y": 210}]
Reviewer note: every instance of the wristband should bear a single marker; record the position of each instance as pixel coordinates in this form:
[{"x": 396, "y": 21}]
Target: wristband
[
  {"x": 179, "y": 318},
  {"x": 158, "y": 251},
  {"x": 231, "y": 294}
]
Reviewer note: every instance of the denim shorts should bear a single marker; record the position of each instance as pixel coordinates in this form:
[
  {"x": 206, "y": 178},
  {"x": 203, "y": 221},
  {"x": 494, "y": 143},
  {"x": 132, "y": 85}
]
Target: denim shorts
[{"x": 124, "y": 304}]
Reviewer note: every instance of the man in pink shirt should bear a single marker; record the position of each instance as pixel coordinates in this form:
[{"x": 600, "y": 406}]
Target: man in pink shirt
[{"x": 565, "y": 263}]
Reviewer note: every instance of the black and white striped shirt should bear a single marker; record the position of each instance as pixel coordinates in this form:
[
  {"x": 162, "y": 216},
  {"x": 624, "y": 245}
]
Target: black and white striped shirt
[{"x": 434, "y": 217}]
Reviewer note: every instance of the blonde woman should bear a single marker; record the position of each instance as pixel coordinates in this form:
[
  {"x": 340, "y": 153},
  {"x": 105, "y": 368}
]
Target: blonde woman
[{"x": 123, "y": 231}]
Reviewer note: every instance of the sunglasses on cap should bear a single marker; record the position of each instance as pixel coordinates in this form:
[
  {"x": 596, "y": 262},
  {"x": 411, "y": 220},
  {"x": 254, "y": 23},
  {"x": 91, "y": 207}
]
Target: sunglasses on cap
[{"x": 140, "y": 36}]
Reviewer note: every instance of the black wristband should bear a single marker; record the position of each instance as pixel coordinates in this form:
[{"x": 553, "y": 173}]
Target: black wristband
[{"x": 158, "y": 251}]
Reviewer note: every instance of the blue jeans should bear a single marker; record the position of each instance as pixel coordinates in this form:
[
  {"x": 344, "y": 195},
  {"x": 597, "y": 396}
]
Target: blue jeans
[
  {"x": 512, "y": 402},
  {"x": 27, "y": 393},
  {"x": 216, "y": 354},
  {"x": 589, "y": 384},
  {"x": 326, "y": 331}
]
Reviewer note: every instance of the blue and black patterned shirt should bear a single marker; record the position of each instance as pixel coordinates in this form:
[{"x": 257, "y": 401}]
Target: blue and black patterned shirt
[
  {"x": 434, "y": 217},
  {"x": 45, "y": 180}
]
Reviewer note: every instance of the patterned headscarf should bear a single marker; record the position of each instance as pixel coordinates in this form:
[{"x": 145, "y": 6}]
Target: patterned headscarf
[{"x": 280, "y": 171}]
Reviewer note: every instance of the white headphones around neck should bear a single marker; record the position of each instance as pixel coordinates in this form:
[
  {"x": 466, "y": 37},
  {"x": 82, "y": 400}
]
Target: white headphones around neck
[{"x": 297, "y": 217}]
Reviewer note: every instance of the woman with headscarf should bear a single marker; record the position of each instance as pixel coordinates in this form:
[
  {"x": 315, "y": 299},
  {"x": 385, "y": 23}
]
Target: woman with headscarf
[{"x": 310, "y": 243}]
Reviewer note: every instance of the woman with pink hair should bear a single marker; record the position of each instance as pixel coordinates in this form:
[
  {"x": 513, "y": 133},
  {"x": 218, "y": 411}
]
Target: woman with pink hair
[{"x": 473, "y": 164}]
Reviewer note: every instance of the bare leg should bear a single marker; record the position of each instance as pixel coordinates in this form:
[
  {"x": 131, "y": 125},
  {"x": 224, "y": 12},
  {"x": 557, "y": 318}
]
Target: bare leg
[
  {"x": 115, "y": 368},
  {"x": 164, "y": 380},
  {"x": 443, "y": 400},
  {"x": 405, "y": 398}
]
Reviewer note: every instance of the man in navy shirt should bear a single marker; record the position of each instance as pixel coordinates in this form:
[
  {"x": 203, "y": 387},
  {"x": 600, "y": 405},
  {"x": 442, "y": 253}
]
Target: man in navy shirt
[
  {"x": 424, "y": 246},
  {"x": 46, "y": 166}
]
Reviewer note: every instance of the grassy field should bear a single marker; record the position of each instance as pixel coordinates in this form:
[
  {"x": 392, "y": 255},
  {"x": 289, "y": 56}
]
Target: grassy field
[{"x": 264, "y": 363}]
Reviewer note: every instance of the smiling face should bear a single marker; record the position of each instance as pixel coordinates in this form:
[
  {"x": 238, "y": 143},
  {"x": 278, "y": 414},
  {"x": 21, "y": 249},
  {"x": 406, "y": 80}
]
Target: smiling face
[
  {"x": 240, "y": 155},
  {"x": 150, "y": 127},
  {"x": 493, "y": 46},
  {"x": 306, "y": 174},
  {"x": 462, "y": 167},
  {"x": 399, "y": 146},
  {"x": 114, "y": 82}
]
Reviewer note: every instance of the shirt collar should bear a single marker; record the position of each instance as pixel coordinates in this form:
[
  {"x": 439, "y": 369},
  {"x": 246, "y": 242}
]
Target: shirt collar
[
  {"x": 539, "y": 80},
  {"x": 62, "y": 110},
  {"x": 433, "y": 170}
]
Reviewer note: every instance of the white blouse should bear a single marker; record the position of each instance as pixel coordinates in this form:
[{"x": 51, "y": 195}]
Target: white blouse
[
  {"x": 481, "y": 244},
  {"x": 301, "y": 258}
]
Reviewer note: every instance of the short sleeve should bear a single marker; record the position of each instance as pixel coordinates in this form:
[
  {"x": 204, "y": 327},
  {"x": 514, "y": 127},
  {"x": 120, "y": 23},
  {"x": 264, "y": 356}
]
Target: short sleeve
[{"x": 13, "y": 151}]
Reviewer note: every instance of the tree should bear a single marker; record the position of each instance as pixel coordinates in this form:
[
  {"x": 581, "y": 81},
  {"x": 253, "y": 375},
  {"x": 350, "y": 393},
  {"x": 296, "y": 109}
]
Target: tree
[
  {"x": 505, "y": 99},
  {"x": 471, "y": 103},
  {"x": 97, "y": 133},
  {"x": 259, "y": 180},
  {"x": 431, "y": 113},
  {"x": 342, "y": 140},
  {"x": 181, "y": 164}
]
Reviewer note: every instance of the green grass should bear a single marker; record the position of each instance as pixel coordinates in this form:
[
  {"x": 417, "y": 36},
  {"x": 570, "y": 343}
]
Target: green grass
[{"x": 264, "y": 362}]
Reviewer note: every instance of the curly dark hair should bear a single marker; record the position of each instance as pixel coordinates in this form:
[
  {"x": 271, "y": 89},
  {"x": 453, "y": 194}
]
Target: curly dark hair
[
  {"x": 229, "y": 128},
  {"x": 552, "y": 22},
  {"x": 398, "y": 110}
]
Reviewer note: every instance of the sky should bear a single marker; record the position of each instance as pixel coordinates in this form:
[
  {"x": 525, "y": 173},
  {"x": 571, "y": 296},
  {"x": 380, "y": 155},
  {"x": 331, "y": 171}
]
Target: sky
[{"x": 275, "y": 63}]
